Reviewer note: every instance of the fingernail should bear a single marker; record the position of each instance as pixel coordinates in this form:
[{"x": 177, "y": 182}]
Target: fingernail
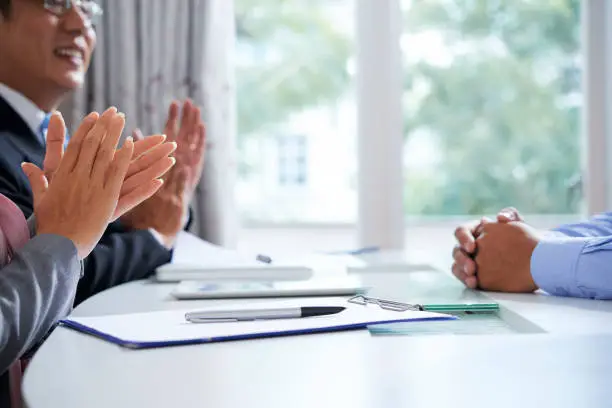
[
  {"x": 173, "y": 160},
  {"x": 164, "y": 137},
  {"x": 121, "y": 114},
  {"x": 129, "y": 139}
]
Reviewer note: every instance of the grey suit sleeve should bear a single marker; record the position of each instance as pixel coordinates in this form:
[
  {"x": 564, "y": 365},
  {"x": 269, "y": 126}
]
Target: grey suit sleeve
[
  {"x": 32, "y": 225},
  {"x": 37, "y": 288}
]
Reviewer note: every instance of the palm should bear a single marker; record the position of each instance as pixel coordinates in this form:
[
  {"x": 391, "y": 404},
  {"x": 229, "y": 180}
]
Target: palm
[
  {"x": 165, "y": 211},
  {"x": 190, "y": 136},
  {"x": 151, "y": 162}
]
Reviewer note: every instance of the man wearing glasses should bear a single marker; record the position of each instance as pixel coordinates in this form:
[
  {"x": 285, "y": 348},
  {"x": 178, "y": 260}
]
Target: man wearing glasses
[{"x": 45, "y": 51}]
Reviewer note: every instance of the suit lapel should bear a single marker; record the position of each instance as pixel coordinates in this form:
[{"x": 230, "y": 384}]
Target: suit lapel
[{"x": 12, "y": 125}]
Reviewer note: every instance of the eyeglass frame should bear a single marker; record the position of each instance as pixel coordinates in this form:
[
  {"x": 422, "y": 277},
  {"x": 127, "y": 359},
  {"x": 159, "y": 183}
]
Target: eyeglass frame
[{"x": 93, "y": 15}]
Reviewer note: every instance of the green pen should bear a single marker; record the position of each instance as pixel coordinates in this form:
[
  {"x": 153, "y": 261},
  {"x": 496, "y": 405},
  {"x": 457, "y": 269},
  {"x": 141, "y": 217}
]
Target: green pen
[{"x": 468, "y": 307}]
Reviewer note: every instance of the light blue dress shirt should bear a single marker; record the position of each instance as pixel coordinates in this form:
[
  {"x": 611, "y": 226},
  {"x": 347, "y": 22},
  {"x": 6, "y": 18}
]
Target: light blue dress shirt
[{"x": 576, "y": 260}]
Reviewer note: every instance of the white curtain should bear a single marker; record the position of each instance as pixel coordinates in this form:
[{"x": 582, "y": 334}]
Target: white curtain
[{"x": 152, "y": 51}]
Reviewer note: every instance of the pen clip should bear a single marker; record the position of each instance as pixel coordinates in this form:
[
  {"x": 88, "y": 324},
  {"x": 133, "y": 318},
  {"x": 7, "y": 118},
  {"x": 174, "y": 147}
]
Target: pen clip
[{"x": 224, "y": 320}]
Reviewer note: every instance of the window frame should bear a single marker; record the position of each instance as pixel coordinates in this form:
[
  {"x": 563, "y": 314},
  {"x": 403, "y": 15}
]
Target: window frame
[
  {"x": 597, "y": 91},
  {"x": 380, "y": 163}
]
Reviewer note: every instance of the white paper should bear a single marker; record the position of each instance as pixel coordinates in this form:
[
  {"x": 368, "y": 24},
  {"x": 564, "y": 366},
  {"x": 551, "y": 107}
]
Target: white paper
[
  {"x": 193, "y": 251},
  {"x": 194, "y": 258},
  {"x": 168, "y": 326}
]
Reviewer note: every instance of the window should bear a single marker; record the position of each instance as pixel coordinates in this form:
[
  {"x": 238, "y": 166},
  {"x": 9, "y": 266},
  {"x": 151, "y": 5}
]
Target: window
[
  {"x": 492, "y": 104},
  {"x": 295, "y": 77},
  {"x": 292, "y": 160},
  {"x": 491, "y": 95}
]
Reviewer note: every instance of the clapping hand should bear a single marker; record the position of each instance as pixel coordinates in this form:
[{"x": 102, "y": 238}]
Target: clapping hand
[
  {"x": 149, "y": 161},
  {"x": 166, "y": 212},
  {"x": 84, "y": 192}
]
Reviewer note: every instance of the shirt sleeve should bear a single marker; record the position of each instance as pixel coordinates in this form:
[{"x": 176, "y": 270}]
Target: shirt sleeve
[
  {"x": 576, "y": 260},
  {"x": 598, "y": 226}
]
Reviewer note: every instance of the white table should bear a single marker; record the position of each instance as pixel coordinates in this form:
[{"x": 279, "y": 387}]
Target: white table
[{"x": 570, "y": 365}]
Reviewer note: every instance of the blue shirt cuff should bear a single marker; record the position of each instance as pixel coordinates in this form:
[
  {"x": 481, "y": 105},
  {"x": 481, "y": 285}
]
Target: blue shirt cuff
[{"x": 554, "y": 264}]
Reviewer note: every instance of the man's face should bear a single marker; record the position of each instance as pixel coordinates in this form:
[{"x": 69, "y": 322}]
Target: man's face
[{"x": 44, "y": 47}]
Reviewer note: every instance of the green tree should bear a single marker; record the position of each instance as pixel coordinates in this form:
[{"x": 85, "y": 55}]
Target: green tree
[
  {"x": 291, "y": 56},
  {"x": 501, "y": 113}
]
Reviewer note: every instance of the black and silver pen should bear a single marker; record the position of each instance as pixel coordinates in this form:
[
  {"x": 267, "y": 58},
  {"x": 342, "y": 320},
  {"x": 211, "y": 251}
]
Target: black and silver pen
[{"x": 261, "y": 314}]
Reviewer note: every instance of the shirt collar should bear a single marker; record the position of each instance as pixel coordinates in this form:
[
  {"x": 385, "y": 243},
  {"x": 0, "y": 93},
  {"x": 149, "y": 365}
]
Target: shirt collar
[{"x": 29, "y": 112}]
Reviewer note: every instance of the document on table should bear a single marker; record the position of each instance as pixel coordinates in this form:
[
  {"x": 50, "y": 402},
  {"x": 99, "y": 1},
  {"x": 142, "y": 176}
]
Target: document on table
[
  {"x": 170, "y": 328},
  {"x": 192, "y": 250},
  {"x": 196, "y": 259}
]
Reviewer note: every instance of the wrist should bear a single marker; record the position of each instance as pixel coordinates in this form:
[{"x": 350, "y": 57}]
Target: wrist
[
  {"x": 82, "y": 251},
  {"x": 166, "y": 240},
  {"x": 530, "y": 275}
]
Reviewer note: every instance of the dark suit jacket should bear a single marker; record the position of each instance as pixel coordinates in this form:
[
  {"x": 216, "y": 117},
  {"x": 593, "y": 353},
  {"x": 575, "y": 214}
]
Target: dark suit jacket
[{"x": 121, "y": 255}]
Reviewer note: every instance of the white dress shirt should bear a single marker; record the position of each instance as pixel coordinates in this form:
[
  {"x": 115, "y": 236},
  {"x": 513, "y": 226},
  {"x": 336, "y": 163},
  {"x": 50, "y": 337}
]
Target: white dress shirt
[{"x": 29, "y": 112}]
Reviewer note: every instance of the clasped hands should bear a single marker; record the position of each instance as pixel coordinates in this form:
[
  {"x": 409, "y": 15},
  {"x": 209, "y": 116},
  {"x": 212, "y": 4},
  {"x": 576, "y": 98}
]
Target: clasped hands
[{"x": 496, "y": 255}]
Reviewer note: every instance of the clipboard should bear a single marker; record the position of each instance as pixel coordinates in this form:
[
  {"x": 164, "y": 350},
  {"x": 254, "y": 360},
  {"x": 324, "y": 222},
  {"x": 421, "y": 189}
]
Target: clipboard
[{"x": 170, "y": 328}]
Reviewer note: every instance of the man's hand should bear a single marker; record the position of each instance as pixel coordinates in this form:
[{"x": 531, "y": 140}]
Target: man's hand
[
  {"x": 150, "y": 161},
  {"x": 464, "y": 267},
  {"x": 166, "y": 212},
  {"x": 83, "y": 194},
  {"x": 504, "y": 257},
  {"x": 190, "y": 137}
]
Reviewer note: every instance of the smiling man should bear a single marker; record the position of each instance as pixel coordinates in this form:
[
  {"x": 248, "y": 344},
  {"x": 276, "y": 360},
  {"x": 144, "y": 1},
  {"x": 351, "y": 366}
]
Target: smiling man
[{"x": 45, "y": 51}]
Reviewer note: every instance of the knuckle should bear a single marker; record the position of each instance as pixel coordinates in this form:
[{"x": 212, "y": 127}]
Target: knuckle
[
  {"x": 90, "y": 142},
  {"x": 459, "y": 231},
  {"x": 456, "y": 252},
  {"x": 104, "y": 151},
  {"x": 75, "y": 144},
  {"x": 113, "y": 171}
]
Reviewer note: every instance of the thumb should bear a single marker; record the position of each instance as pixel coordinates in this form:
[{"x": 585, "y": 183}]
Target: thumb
[
  {"x": 56, "y": 134},
  {"x": 38, "y": 181},
  {"x": 492, "y": 227},
  {"x": 137, "y": 135},
  {"x": 509, "y": 214}
]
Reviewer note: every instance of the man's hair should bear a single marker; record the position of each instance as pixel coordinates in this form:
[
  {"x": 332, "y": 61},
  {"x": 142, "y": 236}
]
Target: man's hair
[{"x": 5, "y": 8}]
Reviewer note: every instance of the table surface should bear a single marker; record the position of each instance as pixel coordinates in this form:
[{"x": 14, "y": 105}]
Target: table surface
[{"x": 568, "y": 364}]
